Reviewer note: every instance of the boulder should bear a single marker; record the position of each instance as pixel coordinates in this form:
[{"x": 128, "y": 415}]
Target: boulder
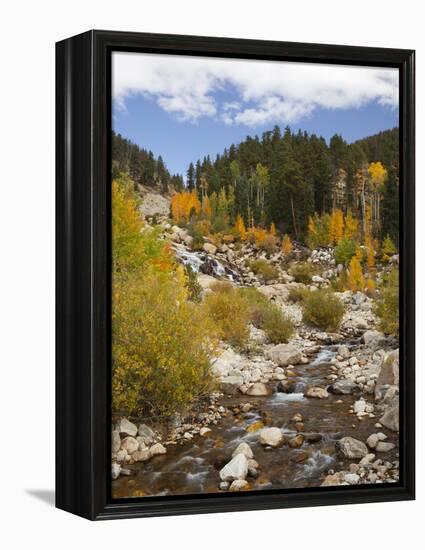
[
  {"x": 259, "y": 389},
  {"x": 204, "y": 432},
  {"x": 239, "y": 485},
  {"x": 237, "y": 468},
  {"x": 388, "y": 374},
  {"x": 146, "y": 434},
  {"x": 271, "y": 436},
  {"x": 320, "y": 393},
  {"x": 372, "y": 338},
  {"x": 384, "y": 447},
  {"x": 391, "y": 418},
  {"x": 351, "y": 448},
  {"x": 227, "y": 361},
  {"x": 116, "y": 441},
  {"x": 343, "y": 351},
  {"x": 284, "y": 355},
  {"x": 244, "y": 449},
  {"x": 141, "y": 456},
  {"x": 296, "y": 442},
  {"x": 372, "y": 441},
  {"x": 130, "y": 444},
  {"x": 343, "y": 387},
  {"x": 286, "y": 386},
  {"x": 209, "y": 248},
  {"x": 126, "y": 427},
  {"x": 352, "y": 479},
  {"x": 115, "y": 470},
  {"x": 157, "y": 449}
]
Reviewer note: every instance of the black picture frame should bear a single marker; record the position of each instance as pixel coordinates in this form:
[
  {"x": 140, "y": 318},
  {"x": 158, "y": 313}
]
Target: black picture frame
[{"x": 83, "y": 120}]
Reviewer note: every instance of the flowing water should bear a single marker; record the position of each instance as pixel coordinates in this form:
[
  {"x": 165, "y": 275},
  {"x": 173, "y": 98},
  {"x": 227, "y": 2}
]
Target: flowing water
[
  {"x": 201, "y": 262},
  {"x": 194, "y": 467}
]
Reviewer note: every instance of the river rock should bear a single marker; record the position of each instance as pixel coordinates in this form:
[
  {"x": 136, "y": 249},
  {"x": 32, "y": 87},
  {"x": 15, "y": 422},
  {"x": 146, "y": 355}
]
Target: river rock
[
  {"x": 209, "y": 248},
  {"x": 388, "y": 374},
  {"x": 286, "y": 386},
  {"x": 343, "y": 387},
  {"x": 298, "y": 417},
  {"x": 116, "y": 441},
  {"x": 157, "y": 449},
  {"x": 391, "y": 418},
  {"x": 296, "y": 442},
  {"x": 239, "y": 485},
  {"x": 130, "y": 444},
  {"x": 384, "y": 447},
  {"x": 115, "y": 470},
  {"x": 284, "y": 355},
  {"x": 224, "y": 485},
  {"x": 351, "y": 448},
  {"x": 373, "y": 338},
  {"x": 352, "y": 479},
  {"x": 126, "y": 427},
  {"x": 332, "y": 479},
  {"x": 205, "y": 432},
  {"x": 271, "y": 436},
  {"x": 320, "y": 393},
  {"x": 343, "y": 351},
  {"x": 259, "y": 389},
  {"x": 244, "y": 449},
  {"x": 372, "y": 441},
  {"x": 227, "y": 361},
  {"x": 237, "y": 468},
  {"x": 141, "y": 456},
  {"x": 146, "y": 434}
]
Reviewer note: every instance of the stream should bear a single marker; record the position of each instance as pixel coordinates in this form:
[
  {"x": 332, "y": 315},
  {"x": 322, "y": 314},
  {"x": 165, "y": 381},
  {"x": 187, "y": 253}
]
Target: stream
[{"x": 194, "y": 467}]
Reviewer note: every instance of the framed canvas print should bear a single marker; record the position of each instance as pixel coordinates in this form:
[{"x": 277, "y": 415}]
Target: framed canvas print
[{"x": 235, "y": 274}]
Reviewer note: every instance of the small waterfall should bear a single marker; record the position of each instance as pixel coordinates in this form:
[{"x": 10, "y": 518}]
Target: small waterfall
[{"x": 200, "y": 262}]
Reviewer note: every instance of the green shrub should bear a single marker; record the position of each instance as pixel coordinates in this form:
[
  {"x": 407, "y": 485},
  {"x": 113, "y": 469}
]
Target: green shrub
[
  {"x": 345, "y": 251},
  {"x": 195, "y": 231},
  {"x": 278, "y": 327},
  {"x": 297, "y": 294},
  {"x": 257, "y": 304},
  {"x": 323, "y": 310},
  {"x": 303, "y": 272},
  {"x": 263, "y": 269},
  {"x": 230, "y": 312},
  {"x": 192, "y": 284},
  {"x": 387, "y": 305}
]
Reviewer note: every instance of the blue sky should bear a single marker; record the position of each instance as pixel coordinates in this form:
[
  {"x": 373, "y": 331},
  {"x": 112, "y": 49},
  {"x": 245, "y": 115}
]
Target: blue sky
[{"x": 184, "y": 108}]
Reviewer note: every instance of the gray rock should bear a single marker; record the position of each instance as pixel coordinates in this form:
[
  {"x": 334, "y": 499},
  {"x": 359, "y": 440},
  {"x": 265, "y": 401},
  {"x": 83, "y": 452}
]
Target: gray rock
[
  {"x": 343, "y": 387},
  {"x": 384, "y": 447},
  {"x": 372, "y": 441},
  {"x": 343, "y": 351},
  {"x": 126, "y": 427},
  {"x": 115, "y": 470},
  {"x": 272, "y": 437},
  {"x": 352, "y": 479},
  {"x": 237, "y": 468},
  {"x": 388, "y": 373},
  {"x": 259, "y": 389},
  {"x": 209, "y": 248},
  {"x": 373, "y": 338},
  {"x": 116, "y": 441},
  {"x": 141, "y": 456},
  {"x": 224, "y": 485},
  {"x": 284, "y": 355},
  {"x": 391, "y": 418},
  {"x": 157, "y": 449},
  {"x": 351, "y": 448},
  {"x": 243, "y": 448},
  {"x": 146, "y": 434},
  {"x": 130, "y": 444},
  {"x": 319, "y": 393}
]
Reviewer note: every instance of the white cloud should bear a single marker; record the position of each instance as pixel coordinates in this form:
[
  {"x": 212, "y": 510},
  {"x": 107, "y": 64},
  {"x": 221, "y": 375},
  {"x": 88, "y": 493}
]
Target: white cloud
[{"x": 266, "y": 91}]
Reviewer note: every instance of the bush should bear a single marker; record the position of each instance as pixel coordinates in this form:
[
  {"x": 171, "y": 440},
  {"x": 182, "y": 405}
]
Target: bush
[
  {"x": 387, "y": 305},
  {"x": 162, "y": 344},
  {"x": 297, "y": 294},
  {"x": 345, "y": 250},
  {"x": 268, "y": 243},
  {"x": 230, "y": 312},
  {"x": 267, "y": 316},
  {"x": 197, "y": 232},
  {"x": 277, "y": 326},
  {"x": 323, "y": 310},
  {"x": 263, "y": 269},
  {"x": 303, "y": 272},
  {"x": 192, "y": 284}
]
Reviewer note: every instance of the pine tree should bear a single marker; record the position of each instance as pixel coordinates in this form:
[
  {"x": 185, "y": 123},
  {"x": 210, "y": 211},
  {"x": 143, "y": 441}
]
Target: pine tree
[{"x": 191, "y": 177}]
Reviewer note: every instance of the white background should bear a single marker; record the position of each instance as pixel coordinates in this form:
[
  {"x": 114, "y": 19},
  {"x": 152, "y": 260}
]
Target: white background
[{"x": 29, "y": 30}]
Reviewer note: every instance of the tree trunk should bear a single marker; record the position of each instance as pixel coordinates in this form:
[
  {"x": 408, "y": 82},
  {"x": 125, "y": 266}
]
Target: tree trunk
[{"x": 293, "y": 217}]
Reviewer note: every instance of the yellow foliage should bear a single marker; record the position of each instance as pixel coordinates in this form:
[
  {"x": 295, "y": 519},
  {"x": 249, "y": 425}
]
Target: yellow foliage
[
  {"x": 370, "y": 287},
  {"x": 377, "y": 173},
  {"x": 206, "y": 207},
  {"x": 240, "y": 227},
  {"x": 336, "y": 226},
  {"x": 350, "y": 226},
  {"x": 183, "y": 205},
  {"x": 287, "y": 246},
  {"x": 370, "y": 245},
  {"x": 355, "y": 275},
  {"x": 273, "y": 229}
]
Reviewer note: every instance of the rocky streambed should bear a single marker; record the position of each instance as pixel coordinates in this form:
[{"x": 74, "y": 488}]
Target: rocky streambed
[{"x": 320, "y": 410}]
